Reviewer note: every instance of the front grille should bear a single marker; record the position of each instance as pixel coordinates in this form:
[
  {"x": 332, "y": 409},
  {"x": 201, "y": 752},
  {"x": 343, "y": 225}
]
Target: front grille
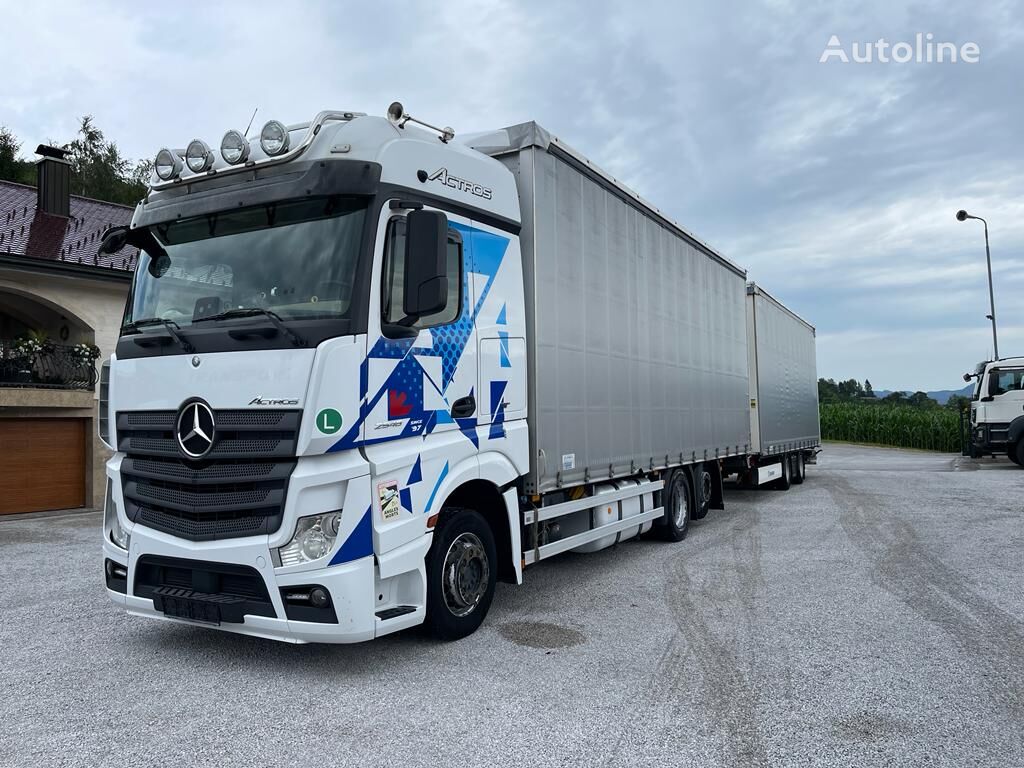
[
  {"x": 240, "y": 589},
  {"x": 239, "y": 434},
  {"x": 238, "y": 489}
]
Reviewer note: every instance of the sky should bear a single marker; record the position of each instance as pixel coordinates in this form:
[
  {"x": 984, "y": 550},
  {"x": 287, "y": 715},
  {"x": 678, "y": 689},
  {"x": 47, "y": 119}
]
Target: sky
[{"x": 835, "y": 184}]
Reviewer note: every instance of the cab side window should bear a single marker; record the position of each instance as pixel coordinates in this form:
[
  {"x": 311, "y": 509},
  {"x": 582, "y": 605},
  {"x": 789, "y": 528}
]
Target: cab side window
[{"x": 393, "y": 284}]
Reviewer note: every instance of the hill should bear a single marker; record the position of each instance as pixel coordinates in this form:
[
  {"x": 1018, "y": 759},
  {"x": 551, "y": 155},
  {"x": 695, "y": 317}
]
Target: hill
[{"x": 941, "y": 396}]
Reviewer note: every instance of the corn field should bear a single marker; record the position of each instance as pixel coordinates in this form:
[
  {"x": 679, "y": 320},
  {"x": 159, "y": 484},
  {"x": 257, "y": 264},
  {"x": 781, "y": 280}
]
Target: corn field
[{"x": 903, "y": 426}]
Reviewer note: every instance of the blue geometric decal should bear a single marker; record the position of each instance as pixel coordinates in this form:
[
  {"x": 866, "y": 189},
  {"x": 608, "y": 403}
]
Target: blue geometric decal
[
  {"x": 497, "y": 409},
  {"x": 437, "y": 485},
  {"x": 503, "y": 349},
  {"x": 404, "y": 386},
  {"x": 501, "y": 317},
  {"x": 405, "y": 496},
  {"x": 358, "y": 544},
  {"x": 416, "y": 475}
]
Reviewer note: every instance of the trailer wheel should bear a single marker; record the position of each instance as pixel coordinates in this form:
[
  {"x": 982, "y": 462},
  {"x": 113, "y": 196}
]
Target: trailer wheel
[
  {"x": 783, "y": 483},
  {"x": 677, "y": 508},
  {"x": 799, "y": 470},
  {"x": 461, "y": 573}
]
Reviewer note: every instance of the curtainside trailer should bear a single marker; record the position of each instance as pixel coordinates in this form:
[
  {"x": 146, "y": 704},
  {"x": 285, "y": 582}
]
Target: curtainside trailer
[
  {"x": 784, "y": 428},
  {"x": 367, "y": 370}
]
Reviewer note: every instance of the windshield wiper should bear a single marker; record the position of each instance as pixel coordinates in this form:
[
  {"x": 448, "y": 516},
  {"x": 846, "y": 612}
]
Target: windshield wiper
[
  {"x": 275, "y": 318},
  {"x": 172, "y": 328}
]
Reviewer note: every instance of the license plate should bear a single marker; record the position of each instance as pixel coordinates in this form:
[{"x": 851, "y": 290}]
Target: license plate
[{"x": 193, "y": 610}]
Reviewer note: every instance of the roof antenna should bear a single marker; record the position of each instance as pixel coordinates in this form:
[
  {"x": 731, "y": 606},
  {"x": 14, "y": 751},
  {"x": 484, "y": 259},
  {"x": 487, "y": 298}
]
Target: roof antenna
[{"x": 250, "y": 121}]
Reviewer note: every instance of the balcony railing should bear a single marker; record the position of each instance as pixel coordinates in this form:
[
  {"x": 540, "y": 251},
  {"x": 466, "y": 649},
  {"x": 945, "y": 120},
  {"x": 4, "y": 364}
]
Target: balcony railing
[{"x": 54, "y": 366}]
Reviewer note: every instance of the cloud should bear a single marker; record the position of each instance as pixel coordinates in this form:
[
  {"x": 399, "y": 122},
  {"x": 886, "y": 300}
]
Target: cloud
[{"x": 835, "y": 184}]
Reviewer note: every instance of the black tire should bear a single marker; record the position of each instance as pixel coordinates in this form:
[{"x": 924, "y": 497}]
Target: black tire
[
  {"x": 701, "y": 493},
  {"x": 799, "y": 468},
  {"x": 1017, "y": 454},
  {"x": 783, "y": 483},
  {"x": 464, "y": 542},
  {"x": 678, "y": 504}
]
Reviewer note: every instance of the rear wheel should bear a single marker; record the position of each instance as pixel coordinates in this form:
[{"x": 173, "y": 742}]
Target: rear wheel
[
  {"x": 461, "y": 574},
  {"x": 798, "y": 468},
  {"x": 677, "y": 507},
  {"x": 783, "y": 483}
]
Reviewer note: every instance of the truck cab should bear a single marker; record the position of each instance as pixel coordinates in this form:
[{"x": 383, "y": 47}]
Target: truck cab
[
  {"x": 318, "y": 353},
  {"x": 997, "y": 409}
]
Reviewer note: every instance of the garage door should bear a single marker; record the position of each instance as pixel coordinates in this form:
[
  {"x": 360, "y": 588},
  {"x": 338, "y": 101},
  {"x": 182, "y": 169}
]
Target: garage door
[{"x": 42, "y": 464}]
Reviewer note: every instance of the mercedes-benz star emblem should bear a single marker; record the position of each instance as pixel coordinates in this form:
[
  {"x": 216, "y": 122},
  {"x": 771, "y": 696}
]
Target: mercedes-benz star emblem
[{"x": 195, "y": 429}]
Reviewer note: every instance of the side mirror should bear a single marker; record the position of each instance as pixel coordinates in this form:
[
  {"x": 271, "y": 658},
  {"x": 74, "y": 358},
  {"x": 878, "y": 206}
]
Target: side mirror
[
  {"x": 114, "y": 239},
  {"x": 426, "y": 263},
  {"x": 967, "y": 377}
]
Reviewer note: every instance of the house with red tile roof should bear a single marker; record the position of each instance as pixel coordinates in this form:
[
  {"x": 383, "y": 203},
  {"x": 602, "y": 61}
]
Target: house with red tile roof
[{"x": 61, "y": 304}]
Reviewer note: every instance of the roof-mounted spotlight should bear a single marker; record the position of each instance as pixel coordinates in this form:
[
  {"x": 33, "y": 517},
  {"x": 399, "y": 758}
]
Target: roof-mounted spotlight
[
  {"x": 399, "y": 117},
  {"x": 234, "y": 148},
  {"x": 167, "y": 164},
  {"x": 198, "y": 156},
  {"x": 274, "y": 138}
]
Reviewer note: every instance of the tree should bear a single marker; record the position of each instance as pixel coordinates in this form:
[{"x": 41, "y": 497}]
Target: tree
[
  {"x": 850, "y": 389},
  {"x": 868, "y": 391},
  {"x": 98, "y": 169},
  {"x": 921, "y": 400},
  {"x": 11, "y": 168},
  {"x": 956, "y": 402},
  {"x": 828, "y": 392},
  {"x": 895, "y": 398}
]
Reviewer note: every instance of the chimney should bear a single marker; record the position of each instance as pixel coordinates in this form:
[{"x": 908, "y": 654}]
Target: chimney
[{"x": 53, "y": 187}]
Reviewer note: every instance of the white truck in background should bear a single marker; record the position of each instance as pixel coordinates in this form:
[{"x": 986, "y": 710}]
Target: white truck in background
[
  {"x": 996, "y": 420},
  {"x": 366, "y": 371}
]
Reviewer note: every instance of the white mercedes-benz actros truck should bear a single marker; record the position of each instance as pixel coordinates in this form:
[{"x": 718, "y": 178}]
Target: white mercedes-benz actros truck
[{"x": 366, "y": 370}]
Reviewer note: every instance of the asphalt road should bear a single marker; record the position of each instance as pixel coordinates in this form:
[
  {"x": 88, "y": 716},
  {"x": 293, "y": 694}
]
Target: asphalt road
[{"x": 872, "y": 616}]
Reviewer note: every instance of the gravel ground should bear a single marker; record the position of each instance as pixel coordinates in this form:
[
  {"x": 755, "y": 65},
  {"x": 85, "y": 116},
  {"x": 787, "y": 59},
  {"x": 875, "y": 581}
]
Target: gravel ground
[{"x": 872, "y": 616}]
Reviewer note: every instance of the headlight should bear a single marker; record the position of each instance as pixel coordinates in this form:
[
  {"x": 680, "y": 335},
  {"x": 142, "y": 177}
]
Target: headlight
[
  {"x": 274, "y": 138},
  {"x": 313, "y": 539},
  {"x": 198, "y": 156},
  {"x": 234, "y": 148},
  {"x": 167, "y": 164},
  {"x": 118, "y": 535}
]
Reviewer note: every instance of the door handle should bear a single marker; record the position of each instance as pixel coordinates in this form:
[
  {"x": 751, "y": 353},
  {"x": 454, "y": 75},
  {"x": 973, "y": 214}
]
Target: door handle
[{"x": 464, "y": 407}]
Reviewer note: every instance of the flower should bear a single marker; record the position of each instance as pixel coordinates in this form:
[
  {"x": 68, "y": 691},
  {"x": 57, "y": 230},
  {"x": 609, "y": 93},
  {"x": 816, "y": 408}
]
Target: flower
[{"x": 87, "y": 353}]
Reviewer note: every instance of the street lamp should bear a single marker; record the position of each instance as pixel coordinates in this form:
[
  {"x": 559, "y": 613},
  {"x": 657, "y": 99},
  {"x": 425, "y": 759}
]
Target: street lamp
[{"x": 963, "y": 216}]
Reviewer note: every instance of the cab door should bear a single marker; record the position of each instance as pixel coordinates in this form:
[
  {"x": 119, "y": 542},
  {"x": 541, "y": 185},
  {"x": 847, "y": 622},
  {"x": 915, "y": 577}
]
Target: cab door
[{"x": 420, "y": 381}]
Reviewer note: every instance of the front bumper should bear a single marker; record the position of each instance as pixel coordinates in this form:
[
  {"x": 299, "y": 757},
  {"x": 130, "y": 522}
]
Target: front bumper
[{"x": 351, "y": 587}]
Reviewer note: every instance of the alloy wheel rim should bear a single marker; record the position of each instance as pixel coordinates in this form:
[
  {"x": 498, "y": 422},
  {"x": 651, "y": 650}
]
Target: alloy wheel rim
[
  {"x": 466, "y": 574},
  {"x": 679, "y": 510}
]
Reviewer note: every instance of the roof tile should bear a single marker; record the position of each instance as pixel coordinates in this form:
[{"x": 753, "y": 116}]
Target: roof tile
[{"x": 25, "y": 231}]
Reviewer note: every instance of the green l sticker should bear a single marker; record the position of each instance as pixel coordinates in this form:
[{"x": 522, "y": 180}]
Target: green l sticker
[{"x": 328, "y": 421}]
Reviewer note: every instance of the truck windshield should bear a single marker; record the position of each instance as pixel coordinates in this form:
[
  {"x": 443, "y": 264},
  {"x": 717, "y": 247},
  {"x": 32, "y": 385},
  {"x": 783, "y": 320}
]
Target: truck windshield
[{"x": 295, "y": 258}]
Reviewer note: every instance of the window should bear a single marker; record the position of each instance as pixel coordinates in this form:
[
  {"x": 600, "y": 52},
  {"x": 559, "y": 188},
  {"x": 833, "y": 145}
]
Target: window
[
  {"x": 393, "y": 284},
  {"x": 1006, "y": 380}
]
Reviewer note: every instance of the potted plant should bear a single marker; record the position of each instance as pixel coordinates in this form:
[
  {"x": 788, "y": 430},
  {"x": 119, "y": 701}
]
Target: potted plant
[{"x": 25, "y": 352}]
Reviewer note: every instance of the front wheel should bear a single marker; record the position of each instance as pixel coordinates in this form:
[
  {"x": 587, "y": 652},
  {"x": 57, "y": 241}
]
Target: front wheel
[
  {"x": 1017, "y": 454},
  {"x": 461, "y": 574}
]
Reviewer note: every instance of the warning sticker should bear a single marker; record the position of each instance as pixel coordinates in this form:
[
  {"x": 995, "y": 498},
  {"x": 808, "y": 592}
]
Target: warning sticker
[{"x": 387, "y": 493}]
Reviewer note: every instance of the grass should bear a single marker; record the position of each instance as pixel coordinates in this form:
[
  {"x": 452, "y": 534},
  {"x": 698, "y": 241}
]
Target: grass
[{"x": 901, "y": 426}]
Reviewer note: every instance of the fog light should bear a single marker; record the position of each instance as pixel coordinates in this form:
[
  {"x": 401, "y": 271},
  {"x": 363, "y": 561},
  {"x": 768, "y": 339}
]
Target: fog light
[
  {"x": 167, "y": 164},
  {"x": 274, "y": 138},
  {"x": 118, "y": 535},
  {"x": 318, "y": 597},
  {"x": 234, "y": 148},
  {"x": 198, "y": 156},
  {"x": 313, "y": 539}
]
